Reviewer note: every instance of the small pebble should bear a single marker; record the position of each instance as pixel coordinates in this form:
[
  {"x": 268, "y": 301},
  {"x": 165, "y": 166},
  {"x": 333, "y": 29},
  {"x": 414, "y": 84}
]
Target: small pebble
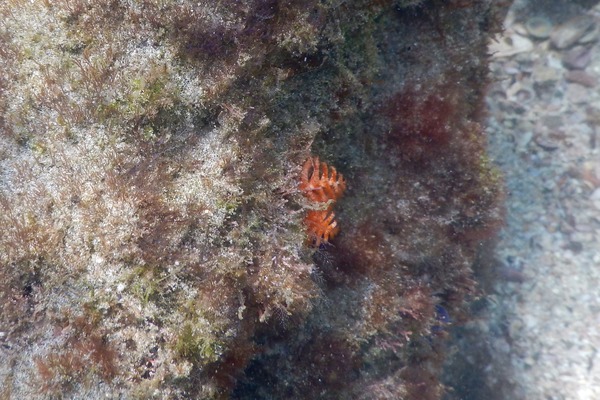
[
  {"x": 520, "y": 92},
  {"x": 577, "y": 94},
  {"x": 538, "y": 27},
  {"x": 574, "y": 246},
  {"x": 552, "y": 121},
  {"x": 512, "y": 275},
  {"x": 524, "y": 95},
  {"x": 581, "y": 77},
  {"x": 570, "y": 32},
  {"x": 543, "y": 74},
  {"x": 522, "y": 141},
  {"x": 545, "y": 143},
  {"x": 595, "y": 198},
  {"x": 510, "y": 45},
  {"x": 595, "y": 195},
  {"x": 578, "y": 57},
  {"x": 590, "y": 36}
]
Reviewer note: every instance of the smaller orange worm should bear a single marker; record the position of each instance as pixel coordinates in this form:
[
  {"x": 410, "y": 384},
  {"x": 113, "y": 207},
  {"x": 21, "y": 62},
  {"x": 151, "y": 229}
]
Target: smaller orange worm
[{"x": 321, "y": 184}]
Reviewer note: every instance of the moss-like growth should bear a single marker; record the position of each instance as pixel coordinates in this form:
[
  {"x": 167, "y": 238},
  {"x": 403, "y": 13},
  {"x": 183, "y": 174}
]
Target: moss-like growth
[{"x": 150, "y": 154}]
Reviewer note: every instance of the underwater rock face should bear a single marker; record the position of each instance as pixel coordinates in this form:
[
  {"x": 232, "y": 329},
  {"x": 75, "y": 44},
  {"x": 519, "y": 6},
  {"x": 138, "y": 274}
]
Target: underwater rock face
[{"x": 150, "y": 156}]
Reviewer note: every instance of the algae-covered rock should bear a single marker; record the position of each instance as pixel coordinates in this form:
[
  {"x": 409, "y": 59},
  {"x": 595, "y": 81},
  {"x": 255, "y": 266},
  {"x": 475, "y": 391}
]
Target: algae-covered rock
[{"x": 154, "y": 241}]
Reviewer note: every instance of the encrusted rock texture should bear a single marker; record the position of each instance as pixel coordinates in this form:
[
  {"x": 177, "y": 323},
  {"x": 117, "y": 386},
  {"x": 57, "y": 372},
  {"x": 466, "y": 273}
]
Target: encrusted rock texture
[{"x": 152, "y": 241}]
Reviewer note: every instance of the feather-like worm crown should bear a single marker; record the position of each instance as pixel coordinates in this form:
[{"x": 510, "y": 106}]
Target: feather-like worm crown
[{"x": 321, "y": 184}]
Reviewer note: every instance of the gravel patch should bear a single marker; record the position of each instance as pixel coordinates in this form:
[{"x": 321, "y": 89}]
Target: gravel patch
[{"x": 539, "y": 336}]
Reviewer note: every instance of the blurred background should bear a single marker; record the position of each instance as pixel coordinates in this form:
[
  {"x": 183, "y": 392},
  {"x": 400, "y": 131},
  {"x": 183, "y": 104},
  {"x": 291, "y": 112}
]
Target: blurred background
[{"x": 538, "y": 333}]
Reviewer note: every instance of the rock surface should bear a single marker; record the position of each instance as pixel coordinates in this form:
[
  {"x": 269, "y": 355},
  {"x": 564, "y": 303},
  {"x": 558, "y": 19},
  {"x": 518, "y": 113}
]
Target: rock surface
[{"x": 150, "y": 155}]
